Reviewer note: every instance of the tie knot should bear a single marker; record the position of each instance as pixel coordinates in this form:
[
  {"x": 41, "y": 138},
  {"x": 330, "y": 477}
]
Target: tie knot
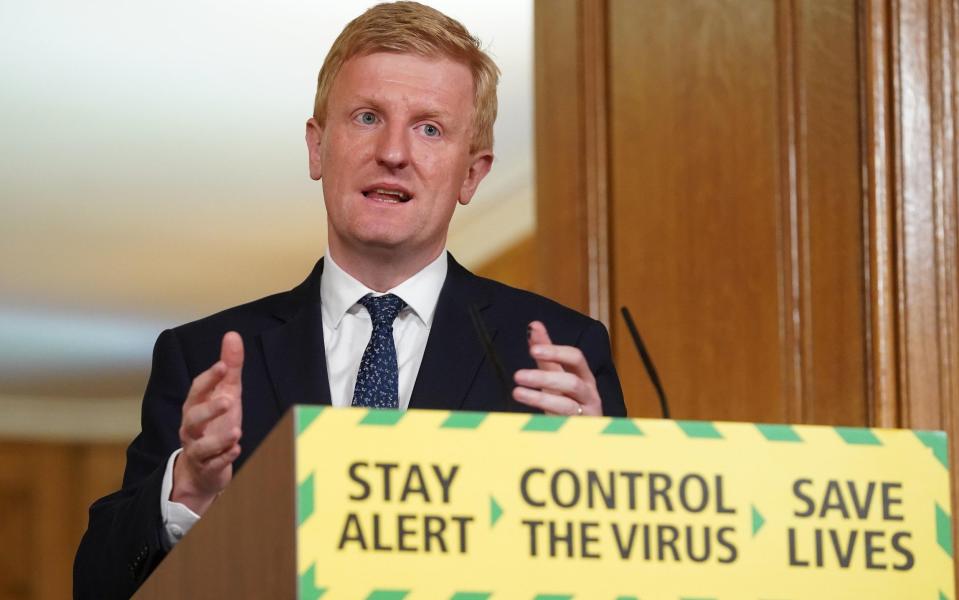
[{"x": 383, "y": 309}]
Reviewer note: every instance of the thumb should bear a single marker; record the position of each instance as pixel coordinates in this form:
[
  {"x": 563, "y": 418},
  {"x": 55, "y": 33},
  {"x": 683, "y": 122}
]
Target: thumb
[
  {"x": 231, "y": 353},
  {"x": 538, "y": 336}
]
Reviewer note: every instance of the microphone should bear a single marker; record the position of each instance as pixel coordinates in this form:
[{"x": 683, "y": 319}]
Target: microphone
[
  {"x": 483, "y": 334},
  {"x": 647, "y": 361}
]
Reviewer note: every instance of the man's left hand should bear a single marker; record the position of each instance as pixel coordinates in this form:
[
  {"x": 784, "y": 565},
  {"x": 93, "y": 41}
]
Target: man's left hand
[{"x": 562, "y": 383}]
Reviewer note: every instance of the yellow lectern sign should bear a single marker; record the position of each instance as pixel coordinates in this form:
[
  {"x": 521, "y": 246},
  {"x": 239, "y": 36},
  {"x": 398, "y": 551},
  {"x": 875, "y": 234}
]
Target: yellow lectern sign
[{"x": 470, "y": 506}]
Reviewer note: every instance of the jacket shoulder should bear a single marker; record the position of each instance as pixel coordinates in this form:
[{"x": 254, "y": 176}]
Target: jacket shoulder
[
  {"x": 252, "y": 318},
  {"x": 249, "y": 318}
]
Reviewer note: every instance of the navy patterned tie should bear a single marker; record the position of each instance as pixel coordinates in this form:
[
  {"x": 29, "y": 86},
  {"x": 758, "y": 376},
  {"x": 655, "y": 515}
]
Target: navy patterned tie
[{"x": 377, "y": 382}]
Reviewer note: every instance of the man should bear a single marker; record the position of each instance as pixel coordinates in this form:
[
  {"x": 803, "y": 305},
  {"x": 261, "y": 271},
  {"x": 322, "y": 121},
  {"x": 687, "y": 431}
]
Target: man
[{"x": 401, "y": 132}]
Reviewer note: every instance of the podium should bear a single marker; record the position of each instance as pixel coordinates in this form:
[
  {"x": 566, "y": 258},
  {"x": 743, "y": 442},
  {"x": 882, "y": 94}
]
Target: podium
[
  {"x": 252, "y": 523},
  {"x": 389, "y": 505}
]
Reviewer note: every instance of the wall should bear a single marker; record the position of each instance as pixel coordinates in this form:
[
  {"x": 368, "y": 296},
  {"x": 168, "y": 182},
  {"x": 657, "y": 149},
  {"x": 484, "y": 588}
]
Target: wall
[{"x": 45, "y": 489}]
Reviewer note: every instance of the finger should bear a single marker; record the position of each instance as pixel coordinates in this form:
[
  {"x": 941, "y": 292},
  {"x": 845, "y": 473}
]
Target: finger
[
  {"x": 557, "y": 382},
  {"x": 203, "y": 384},
  {"x": 211, "y": 445},
  {"x": 199, "y": 415},
  {"x": 231, "y": 354},
  {"x": 222, "y": 460},
  {"x": 549, "y": 403},
  {"x": 538, "y": 336},
  {"x": 570, "y": 358}
]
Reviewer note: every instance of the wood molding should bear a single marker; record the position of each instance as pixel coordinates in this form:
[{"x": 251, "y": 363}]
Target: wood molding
[
  {"x": 559, "y": 212},
  {"x": 571, "y": 150},
  {"x": 909, "y": 111},
  {"x": 593, "y": 16},
  {"x": 943, "y": 31},
  {"x": 945, "y": 34},
  {"x": 819, "y": 228},
  {"x": 920, "y": 354},
  {"x": 829, "y": 299},
  {"x": 793, "y": 249},
  {"x": 944, "y": 55},
  {"x": 879, "y": 190}
]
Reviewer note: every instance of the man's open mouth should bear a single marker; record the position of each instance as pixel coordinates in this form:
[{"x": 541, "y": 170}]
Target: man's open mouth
[{"x": 388, "y": 195}]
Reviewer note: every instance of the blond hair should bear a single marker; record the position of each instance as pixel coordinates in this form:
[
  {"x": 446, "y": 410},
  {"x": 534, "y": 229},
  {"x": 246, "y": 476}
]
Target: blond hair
[{"x": 412, "y": 28}]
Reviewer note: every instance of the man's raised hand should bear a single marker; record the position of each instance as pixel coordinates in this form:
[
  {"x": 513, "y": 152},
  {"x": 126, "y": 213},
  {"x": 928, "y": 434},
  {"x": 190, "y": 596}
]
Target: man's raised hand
[
  {"x": 210, "y": 430},
  {"x": 562, "y": 383}
]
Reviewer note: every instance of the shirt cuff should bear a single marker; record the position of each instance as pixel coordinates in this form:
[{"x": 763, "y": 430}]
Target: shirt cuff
[{"x": 177, "y": 518}]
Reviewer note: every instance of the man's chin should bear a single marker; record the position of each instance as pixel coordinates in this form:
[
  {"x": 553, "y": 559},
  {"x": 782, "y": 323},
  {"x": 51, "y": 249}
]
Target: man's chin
[
  {"x": 395, "y": 250},
  {"x": 382, "y": 247},
  {"x": 383, "y": 243},
  {"x": 386, "y": 243}
]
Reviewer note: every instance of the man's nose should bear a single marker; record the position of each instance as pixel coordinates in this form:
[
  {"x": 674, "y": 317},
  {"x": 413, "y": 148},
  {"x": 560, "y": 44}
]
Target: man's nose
[{"x": 392, "y": 148}]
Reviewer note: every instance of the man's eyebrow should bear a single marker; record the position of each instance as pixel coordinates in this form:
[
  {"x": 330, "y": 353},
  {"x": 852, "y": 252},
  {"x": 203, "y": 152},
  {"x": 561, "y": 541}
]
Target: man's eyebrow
[
  {"x": 368, "y": 102},
  {"x": 433, "y": 114}
]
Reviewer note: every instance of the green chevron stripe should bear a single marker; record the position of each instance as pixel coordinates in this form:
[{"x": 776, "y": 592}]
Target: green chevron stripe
[
  {"x": 858, "y": 436},
  {"x": 306, "y": 415},
  {"x": 700, "y": 429},
  {"x": 471, "y": 596},
  {"x": 387, "y": 594},
  {"x": 758, "y": 521},
  {"x": 307, "y": 585},
  {"x": 304, "y": 500},
  {"x": 382, "y": 416},
  {"x": 495, "y": 511},
  {"x": 627, "y": 597},
  {"x": 549, "y": 423},
  {"x": 778, "y": 433},
  {"x": 943, "y": 596},
  {"x": 621, "y": 426},
  {"x": 944, "y": 530},
  {"x": 463, "y": 420},
  {"x": 936, "y": 441}
]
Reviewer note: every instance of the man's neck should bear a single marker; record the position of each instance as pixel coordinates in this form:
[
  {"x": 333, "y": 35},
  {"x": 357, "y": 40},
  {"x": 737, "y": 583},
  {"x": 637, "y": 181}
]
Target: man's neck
[{"x": 380, "y": 270}]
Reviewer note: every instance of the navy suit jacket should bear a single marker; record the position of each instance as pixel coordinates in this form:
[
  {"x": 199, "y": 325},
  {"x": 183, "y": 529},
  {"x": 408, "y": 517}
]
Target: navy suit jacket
[{"x": 285, "y": 364}]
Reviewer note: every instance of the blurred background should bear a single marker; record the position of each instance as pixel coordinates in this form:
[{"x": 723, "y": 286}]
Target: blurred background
[{"x": 769, "y": 185}]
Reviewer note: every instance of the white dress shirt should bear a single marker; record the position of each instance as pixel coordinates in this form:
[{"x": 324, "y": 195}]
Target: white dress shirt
[{"x": 347, "y": 328}]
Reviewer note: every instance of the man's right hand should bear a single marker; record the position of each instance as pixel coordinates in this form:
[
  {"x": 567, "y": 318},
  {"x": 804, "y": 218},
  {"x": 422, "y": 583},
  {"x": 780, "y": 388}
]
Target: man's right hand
[{"x": 210, "y": 430}]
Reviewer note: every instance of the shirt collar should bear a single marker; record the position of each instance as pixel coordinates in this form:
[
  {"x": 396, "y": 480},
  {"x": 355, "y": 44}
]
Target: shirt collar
[{"x": 340, "y": 291}]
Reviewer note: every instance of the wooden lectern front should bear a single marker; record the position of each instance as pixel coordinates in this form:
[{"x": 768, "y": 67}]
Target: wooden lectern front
[{"x": 245, "y": 546}]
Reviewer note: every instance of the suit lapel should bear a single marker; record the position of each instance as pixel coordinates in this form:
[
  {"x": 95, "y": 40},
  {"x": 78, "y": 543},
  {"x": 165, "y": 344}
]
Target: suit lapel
[
  {"x": 294, "y": 351},
  {"x": 453, "y": 352},
  {"x": 295, "y": 354}
]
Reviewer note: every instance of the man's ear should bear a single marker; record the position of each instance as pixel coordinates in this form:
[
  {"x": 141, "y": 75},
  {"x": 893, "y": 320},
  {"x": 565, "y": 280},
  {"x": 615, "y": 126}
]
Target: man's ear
[
  {"x": 314, "y": 136},
  {"x": 482, "y": 163}
]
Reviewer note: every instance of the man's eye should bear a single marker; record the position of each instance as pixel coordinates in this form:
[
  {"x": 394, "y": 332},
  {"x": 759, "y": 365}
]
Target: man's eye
[
  {"x": 431, "y": 130},
  {"x": 367, "y": 118}
]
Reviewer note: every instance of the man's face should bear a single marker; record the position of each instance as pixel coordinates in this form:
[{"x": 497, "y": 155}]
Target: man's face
[{"x": 394, "y": 154}]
